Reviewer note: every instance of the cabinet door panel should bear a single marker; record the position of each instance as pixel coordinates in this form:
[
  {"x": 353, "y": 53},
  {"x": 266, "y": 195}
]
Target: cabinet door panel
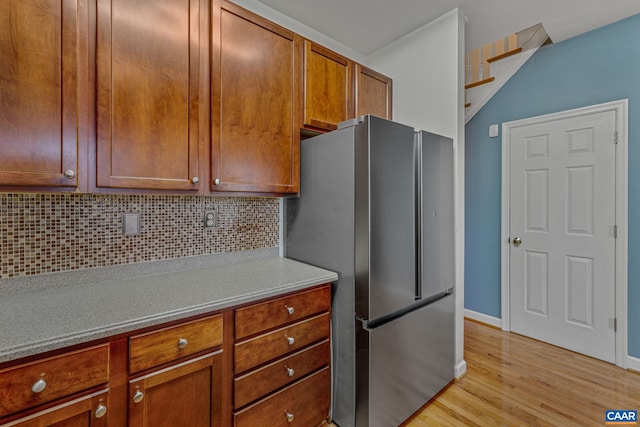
[
  {"x": 373, "y": 93},
  {"x": 188, "y": 394},
  {"x": 81, "y": 412},
  {"x": 148, "y": 93},
  {"x": 38, "y": 92},
  {"x": 328, "y": 79},
  {"x": 255, "y": 132}
]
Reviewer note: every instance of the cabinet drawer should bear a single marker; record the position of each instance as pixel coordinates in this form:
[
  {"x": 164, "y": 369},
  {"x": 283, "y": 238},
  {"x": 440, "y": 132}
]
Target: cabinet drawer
[
  {"x": 304, "y": 404},
  {"x": 280, "y": 311},
  {"x": 42, "y": 381},
  {"x": 266, "y": 347},
  {"x": 168, "y": 344},
  {"x": 284, "y": 371}
]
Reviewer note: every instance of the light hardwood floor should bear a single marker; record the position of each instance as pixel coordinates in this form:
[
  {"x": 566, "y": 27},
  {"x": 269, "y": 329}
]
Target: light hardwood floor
[{"x": 512, "y": 380}]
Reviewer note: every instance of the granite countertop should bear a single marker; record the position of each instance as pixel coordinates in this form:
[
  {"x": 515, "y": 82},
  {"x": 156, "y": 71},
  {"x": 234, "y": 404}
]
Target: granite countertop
[{"x": 62, "y": 309}]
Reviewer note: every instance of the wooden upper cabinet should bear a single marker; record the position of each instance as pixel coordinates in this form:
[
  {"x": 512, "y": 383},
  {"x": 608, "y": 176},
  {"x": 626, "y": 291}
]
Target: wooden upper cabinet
[
  {"x": 255, "y": 104},
  {"x": 328, "y": 80},
  {"x": 150, "y": 57},
  {"x": 373, "y": 93},
  {"x": 41, "y": 86}
]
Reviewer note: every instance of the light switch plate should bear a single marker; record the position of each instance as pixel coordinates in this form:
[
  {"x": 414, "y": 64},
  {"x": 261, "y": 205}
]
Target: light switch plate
[
  {"x": 130, "y": 223},
  {"x": 493, "y": 131}
]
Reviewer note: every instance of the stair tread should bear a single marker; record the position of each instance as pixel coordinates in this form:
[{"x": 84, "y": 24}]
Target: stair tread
[
  {"x": 504, "y": 55},
  {"x": 480, "y": 82}
]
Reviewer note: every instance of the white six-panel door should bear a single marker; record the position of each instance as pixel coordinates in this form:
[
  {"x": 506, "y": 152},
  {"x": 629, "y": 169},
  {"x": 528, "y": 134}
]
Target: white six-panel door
[{"x": 562, "y": 210}]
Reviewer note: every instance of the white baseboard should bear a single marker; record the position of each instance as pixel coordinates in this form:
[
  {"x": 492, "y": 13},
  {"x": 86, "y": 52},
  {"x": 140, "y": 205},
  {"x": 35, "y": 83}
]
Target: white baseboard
[
  {"x": 483, "y": 318},
  {"x": 633, "y": 363},
  {"x": 460, "y": 369}
]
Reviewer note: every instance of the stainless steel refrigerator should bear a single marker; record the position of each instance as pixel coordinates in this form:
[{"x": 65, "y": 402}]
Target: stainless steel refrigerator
[{"x": 376, "y": 206}]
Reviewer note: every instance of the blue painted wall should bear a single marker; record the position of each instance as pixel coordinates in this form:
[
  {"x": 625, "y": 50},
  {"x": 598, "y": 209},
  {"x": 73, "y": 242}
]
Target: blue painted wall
[{"x": 600, "y": 66}]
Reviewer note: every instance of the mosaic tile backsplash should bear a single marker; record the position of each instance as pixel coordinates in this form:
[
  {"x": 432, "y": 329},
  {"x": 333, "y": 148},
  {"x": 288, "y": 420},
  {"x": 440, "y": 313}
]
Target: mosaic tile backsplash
[{"x": 45, "y": 233}]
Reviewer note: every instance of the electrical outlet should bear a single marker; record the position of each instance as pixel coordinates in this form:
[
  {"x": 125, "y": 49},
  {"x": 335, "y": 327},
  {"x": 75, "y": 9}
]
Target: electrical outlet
[{"x": 210, "y": 219}]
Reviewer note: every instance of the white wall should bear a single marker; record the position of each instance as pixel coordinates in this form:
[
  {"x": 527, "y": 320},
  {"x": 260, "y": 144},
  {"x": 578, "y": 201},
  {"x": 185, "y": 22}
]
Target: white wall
[{"x": 427, "y": 67}]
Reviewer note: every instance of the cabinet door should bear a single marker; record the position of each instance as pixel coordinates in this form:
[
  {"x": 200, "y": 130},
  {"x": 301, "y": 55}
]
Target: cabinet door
[
  {"x": 149, "y": 57},
  {"x": 187, "y": 394},
  {"x": 328, "y": 80},
  {"x": 255, "y": 104},
  {"x": 39, "y": 91},
  {"x": 88, "y": 411},
  {"x": 373, "y": 93}
]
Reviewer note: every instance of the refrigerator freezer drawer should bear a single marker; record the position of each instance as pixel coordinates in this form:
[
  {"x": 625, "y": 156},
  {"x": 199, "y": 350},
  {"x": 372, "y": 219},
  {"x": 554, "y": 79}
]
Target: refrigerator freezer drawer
[{"x": 404, "y": 363}]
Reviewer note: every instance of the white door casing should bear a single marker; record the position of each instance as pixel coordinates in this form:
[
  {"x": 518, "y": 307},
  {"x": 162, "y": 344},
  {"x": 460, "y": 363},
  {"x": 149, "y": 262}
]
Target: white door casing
[{"x": 565, "y": 190}]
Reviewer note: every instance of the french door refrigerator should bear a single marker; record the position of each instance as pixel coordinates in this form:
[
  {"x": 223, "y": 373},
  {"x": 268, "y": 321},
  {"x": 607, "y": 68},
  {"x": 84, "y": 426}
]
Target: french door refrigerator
[{"x": 376, "y": 206}]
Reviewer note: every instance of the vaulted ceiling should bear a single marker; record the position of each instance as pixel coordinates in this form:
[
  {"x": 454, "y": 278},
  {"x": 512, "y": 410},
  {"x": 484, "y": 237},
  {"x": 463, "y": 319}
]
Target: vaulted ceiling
[{"x": 368, "y": 25}]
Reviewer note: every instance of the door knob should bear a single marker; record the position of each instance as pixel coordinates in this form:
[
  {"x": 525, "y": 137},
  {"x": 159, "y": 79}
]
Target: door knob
[{"x": 517, "y": 241}]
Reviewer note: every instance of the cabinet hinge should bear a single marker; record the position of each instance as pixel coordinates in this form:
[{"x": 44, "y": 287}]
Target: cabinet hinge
[{"x": 615, "y": 137}]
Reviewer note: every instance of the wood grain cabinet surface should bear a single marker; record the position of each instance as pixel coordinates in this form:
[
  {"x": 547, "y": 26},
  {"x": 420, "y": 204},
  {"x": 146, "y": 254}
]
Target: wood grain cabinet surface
[
  {"x": 180, "y": 391},
  {"x": 373, "y": 93},
  {"x": 58, "y": 390},
  {"x": 31, "y": 384},
  {"x": 328, "y": 88},
  {"x": 255, "y": 89},
  {"x": 86, "y": 411},
  {"x": 281, "y": 375},
  {"x": 172, "y": 343},
  {"x": 150, "y": 60},
  {"x": 186, "y": 394},
  {"x": 165, "y": 96},
  {"x": 42, "y": 89}
]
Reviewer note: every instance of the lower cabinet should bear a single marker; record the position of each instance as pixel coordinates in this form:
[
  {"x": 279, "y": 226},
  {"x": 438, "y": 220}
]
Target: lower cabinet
[
  {"x": 187, "y": 394},
  {"x": 282, "y": 363},
  {"x": 261, "y": 364},
  {"x": 87, "y": 411},
  {"x": 304, "y": 404}
]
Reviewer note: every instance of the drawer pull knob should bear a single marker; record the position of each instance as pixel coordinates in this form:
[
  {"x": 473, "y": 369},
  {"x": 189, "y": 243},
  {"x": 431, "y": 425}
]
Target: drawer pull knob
[
  {"x": 39, "y": 386},
  {"x": 290, "y": 416},
  {"x": 195, "y": 180},
  {"x": 138, "y": 396},
  {"x": 290, "y": 310},
  {"x": 290, "y": 371},
  {"x": 101, "y": 410},
  {"x": 69, "y": 174},
  {"x": 182, "y": 343},
  {"x": 291, "y": 340}
]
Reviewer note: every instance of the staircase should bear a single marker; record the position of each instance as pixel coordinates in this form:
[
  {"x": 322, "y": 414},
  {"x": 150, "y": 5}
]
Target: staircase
[{"x": 488, "y": 68}]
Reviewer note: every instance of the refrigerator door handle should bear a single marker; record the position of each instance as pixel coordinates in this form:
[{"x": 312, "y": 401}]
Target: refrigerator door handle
[
  {"x": 417, "y": 201},
  {"x": 370, "y": 325}
]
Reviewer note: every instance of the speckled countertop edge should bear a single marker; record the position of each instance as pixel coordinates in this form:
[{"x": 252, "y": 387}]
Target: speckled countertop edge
[{"x": 44, "y": 318}]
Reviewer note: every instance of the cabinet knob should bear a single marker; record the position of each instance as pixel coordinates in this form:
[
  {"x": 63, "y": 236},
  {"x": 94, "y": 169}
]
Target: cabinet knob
[
  {"x": 138, "y": 396},
  {"x": 69, "y": 174},
  {"x": 290, "y": 371},
  {"x": 182, "y": 343},
  {"x": 289, "y": 415},
  {"x": 39, "y": 386},
  {"x": 291, "y": 340},
  {"x": 195, "y": 180},
  {"x": 101, "y": 410},
  {"x": 216, "y": 181},
  {"x": 290, "y": 310}
]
